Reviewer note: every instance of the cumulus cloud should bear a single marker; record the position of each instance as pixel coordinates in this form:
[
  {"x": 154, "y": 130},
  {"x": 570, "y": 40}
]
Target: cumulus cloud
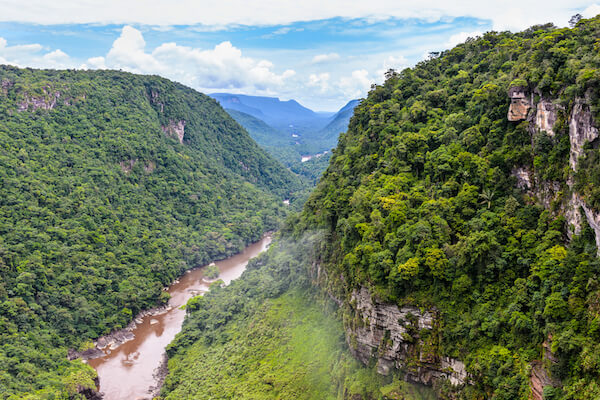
[
  {"x": 95, "y": 63},
  {"x": 32, "y": 55},
  {"x": 357, "y": 84},
  {"x": 591, "y": 11},
  {"x": 223, "y": 67},
  {"x": 320, "y": 81},
  {"x": 461, "y": 37},
  {"x": 324, "y": 58},
  {"x": 508, "y": 14},
  {"x": 129, "y": 52}
]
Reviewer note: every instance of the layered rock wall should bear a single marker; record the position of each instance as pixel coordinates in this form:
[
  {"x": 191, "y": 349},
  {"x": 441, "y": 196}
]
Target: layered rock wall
[{"x": 392, "y": 336}]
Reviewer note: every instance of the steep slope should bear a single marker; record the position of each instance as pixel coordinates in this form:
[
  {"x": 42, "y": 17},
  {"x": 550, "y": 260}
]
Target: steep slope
[
  {"x": 461, "y": 215},
  {"x": 260, "y": 131},
  {"x": 111, "y": 185},
  {"x": 339, "y": 122},
  {"x": 282, "y": 146}
]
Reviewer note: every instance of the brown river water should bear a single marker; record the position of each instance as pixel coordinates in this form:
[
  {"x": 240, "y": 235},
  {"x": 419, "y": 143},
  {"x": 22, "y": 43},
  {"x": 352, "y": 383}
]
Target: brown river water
[{"x": 128, "y": 372}]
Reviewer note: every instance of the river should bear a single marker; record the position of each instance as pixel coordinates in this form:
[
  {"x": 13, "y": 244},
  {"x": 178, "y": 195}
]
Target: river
[{"x": 127, "y": 372}]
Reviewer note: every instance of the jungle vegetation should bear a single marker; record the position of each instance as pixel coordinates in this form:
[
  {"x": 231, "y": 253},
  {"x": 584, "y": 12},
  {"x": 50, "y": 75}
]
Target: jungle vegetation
[{"x": 111, "y": 185}]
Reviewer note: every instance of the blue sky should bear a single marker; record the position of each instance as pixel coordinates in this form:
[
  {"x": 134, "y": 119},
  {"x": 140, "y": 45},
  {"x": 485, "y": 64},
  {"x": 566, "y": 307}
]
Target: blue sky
[{"x": 323, "y": 59}]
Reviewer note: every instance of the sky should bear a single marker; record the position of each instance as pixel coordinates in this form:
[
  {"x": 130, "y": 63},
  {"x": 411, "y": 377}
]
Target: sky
[{"x": 320, "y": 53}]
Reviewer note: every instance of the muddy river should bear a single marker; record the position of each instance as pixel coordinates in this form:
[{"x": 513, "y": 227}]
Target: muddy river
[{"x": 128, "y": 371}]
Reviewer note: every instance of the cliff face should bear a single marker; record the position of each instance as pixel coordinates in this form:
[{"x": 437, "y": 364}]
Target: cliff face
[
  {"x": 398, "y": 338},
  {"x": 582, "y": 129},
  {"x": 520, "y": 103}
]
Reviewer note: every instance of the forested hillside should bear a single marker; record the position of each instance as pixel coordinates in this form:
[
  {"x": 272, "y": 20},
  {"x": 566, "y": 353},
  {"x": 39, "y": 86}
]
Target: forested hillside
[
  {"x": 440, "y": 197},
  {"x": 458, "y": 222},
  {"x": 111, "y": 185}
]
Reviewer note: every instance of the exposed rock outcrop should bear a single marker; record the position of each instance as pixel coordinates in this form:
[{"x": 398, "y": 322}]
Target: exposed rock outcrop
[
  {"x": 539, "y": 376},
  {"x": 116, "y": 338},
  {"x": 90, "y": 393},
  {"x": 524, "y": 178},
  {"x": 538, "y": 380},
  {"x": 175, "y": 129},
  {"x": 582, "y": 129},
  {"x": 127, "y": 166},
  {"x": 150, "y": 167},
  {"x": 154, "y": 99},
  {"x": 574, "y": 217},
  {"x": 45, "y": 102},
  {"x": 5, "y": 85},
  {"x": 519, "y": 103},
  {"x": 392, "y": 336},
  {"x": 545, "y": 116}
]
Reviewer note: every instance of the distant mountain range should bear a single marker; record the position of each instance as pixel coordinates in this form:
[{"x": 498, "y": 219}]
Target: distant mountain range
[
  {"x": 287, "y": 129},
  {"x": 339, "y": 121},
  {"x": 273, "y": 111}
]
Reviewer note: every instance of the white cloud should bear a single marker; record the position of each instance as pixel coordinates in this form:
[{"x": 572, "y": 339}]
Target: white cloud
[
  {"x": 56, "y": 59},
  {"x": 95, "y": 63},
  {"x": 281, "y": 31},
  {"x": 397, "y": 63},
  {"x": 357, "y": 84},
  {"x": 32, "y": 55},
  {"x": 324, "y": 58},
  {"x": 223, "y": 67},
  {"x": 320, "y": 81},
  {"x": 591, "y": 11},
  {"x": 507, "y": 14},
  {"x": 128, "y": 52},
  {"x": 461, "y": 37}
]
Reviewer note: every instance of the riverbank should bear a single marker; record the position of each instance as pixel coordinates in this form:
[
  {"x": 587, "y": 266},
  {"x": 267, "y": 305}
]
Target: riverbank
[
  {"x": 273, "y": 335},
  {"x": 131, "y": 362}
]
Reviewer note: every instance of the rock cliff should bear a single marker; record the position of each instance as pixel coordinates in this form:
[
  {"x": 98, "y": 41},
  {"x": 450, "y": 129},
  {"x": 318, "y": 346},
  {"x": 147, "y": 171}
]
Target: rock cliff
[
  {"x": 175, "y": 129},
  {"x": 399, "y": 338},
  {"x": 519, "y": 103},
  {"x": 582, "y": 129}
]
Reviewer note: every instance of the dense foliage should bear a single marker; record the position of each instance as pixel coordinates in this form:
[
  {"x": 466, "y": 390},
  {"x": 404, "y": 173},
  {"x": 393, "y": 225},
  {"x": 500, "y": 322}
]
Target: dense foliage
[
  {"x": 270, "y": 335},
  {"x": 421, "y": 205},
  {"x": 102, "y": 205}
]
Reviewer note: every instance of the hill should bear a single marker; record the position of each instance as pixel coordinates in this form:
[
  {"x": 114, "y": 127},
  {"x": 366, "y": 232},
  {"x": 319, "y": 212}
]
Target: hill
[
  {"x": 339, "y": 122},
  {"x": 264, "y": 134},
  {"x": 111, "y": 185}
]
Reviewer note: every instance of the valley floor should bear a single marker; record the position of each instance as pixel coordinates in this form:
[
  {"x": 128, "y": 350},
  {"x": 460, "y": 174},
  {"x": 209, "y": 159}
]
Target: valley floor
[{"x": 282, "y": 343}]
